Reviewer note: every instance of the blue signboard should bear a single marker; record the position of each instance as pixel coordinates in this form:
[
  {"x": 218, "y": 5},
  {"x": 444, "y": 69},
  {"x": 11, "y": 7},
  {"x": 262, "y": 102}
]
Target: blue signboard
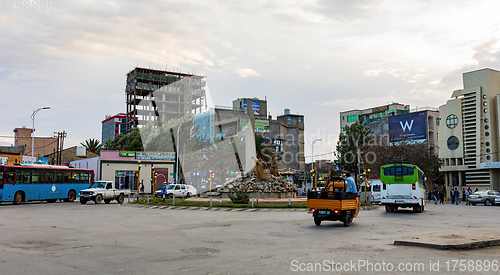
[{"x": 412, "y": 126}]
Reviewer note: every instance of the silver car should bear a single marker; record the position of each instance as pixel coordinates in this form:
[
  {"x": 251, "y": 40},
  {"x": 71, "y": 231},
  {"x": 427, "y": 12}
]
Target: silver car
[
  {"x": 487, "y": 197},
  {"x": 497, "y": 200}
]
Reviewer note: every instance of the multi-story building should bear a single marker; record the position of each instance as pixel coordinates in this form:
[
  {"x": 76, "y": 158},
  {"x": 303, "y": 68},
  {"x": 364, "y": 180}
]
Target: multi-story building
[
  {"x": 160, "y": 95},
  {"x": 372, "y": 115},
  {"x": 469, "y": 138},
  {"x": 43, "y": 145},
  {"x": 287, "y": 133},
  {"x": 112, "y": 126},
  {"x": 395, "y": 122}
]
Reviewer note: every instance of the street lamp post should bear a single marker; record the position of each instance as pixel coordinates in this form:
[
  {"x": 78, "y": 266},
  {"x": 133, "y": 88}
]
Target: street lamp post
[
  {"x": 33, "y": 137},
  {"x": 312, "y": 154},
  {"x": 177, "y": 150}
]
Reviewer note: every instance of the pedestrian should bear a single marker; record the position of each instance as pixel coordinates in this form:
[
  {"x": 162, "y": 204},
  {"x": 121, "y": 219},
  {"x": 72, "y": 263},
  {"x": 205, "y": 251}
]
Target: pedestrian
[
  {"x": 464, "y": 195},
  {"x": 441, "y": 196},
  {"x": 456, "y": 193},
  {"x": 142, "y": 187},
  {"x": 436, "y": 195},
  {"x": 452, "y": 196}
]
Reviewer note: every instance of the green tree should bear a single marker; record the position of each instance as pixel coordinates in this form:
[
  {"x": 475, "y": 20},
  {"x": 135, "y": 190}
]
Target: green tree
[
  {"x": 92, "y": 145},
  {"x": 408, "y": 151},
  {"x": 352, "y": 146},
  {"x": 129, "y": 142}
]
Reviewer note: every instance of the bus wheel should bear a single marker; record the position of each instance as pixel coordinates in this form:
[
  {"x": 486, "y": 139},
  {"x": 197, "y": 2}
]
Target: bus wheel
[
  {"x": 317, "y": 221},
  {"x": 347, "y": 219},
  {"x": 71, "y": 196},
  {"x": 18, "y": 198},
  {"x": 120, "y": 199},
  {"x": 98, "y": 199}
]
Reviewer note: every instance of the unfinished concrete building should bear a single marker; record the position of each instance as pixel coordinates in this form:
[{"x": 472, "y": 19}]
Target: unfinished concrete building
[{"x": 159, "y": 95}]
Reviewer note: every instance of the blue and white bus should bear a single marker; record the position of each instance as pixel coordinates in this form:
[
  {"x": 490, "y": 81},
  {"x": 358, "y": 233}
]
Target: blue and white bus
[{"x": 42, "y": 182}]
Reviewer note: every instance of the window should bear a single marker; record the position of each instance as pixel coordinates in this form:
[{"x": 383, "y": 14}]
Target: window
[
  {"x": 300, "y": 119},
  {"x": 352, "y": 118},
  {"x": 487, "y": 133},
  {"x": 487, "y": 143},
  {"x": 58, "y": 177},
  {"x": 1, "y": 180},
  {"x": 437, "y": 121},
  {"x": 453, "y": 143},
  {"x": 289, "y": 120},
  {"x": 403, "y": 170},
  {"x": 49, "y": 177},
  {"x": 35, "y": 177},
  {"x": 23, "y": 176},
  {"x": 452, "y": 121}
]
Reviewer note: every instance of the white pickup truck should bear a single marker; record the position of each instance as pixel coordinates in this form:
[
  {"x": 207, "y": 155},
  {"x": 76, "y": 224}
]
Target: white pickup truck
[{"x": 103, "y": 190}]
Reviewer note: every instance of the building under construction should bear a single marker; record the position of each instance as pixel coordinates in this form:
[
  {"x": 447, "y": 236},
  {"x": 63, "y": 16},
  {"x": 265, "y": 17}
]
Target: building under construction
[{"x": 158, "y": 96}]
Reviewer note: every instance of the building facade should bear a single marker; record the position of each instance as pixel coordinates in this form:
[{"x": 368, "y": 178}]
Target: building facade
[
  {"x": 470, "y": 132},
  {"x": 43, "y": 145},
  {"x": 159, "y": 96},
  {"x": 287, "y": 134},
  {"x": 373, "y": 115},
  {"x": 113, "y": 126}
]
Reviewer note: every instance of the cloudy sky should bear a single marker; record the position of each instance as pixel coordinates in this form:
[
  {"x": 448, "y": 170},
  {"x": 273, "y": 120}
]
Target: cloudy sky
[{"x": 316, "y": 58}]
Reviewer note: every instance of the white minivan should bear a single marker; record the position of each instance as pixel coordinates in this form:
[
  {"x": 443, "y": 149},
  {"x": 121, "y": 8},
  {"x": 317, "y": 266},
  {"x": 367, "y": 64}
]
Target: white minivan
[{"x": 375, "y": 187}]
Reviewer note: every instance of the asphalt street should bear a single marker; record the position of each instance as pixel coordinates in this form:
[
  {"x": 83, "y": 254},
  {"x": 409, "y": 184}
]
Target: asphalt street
[{"x": 69, "y": 238}]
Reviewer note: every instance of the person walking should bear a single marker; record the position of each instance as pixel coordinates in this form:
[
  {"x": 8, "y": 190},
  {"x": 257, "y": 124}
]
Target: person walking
[
  {"x": 436, "y": 195},
  {"x": 464, "y": 195},
  {"x": 452, "y": 196},
  {"x": 456, "y": 193},
  {"x": 441, "y": 196}
]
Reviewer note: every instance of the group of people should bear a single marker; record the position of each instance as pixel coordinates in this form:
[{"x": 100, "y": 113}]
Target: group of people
[{"x": 454, "y": 195}]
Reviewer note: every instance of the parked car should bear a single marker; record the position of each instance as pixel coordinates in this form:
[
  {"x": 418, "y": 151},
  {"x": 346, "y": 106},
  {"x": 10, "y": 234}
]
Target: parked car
[
  {"x": 487, "y": 197},
  {"x": 497, "y": 200},
  {"x": 178, "y": 190}
]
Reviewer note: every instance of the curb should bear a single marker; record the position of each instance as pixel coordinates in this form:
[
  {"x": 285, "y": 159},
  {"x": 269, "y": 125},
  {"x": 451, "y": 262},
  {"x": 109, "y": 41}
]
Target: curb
[
  {"x": 465, "y": 246},
  {"x": 171, "y": 207}
]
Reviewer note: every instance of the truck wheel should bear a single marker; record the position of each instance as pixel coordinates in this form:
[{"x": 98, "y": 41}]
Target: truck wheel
[
  {"x": 395, "y": 208},
  {"x": 317, "y": 221},
  {"x": 189, "y": 195},
  {"x": 107, "y": 201},
  {"x": 71, "y": 196},
  {"x": 18, "y": 198},
  {"x": 347, "y": 219},
  {"x": 98, "y": 199},
  {"x": 417, "y": 209},
  {"x": 83, "y": 201},
  {"x": 388, "y": 208},
  {"x": 120, "y": 199}
]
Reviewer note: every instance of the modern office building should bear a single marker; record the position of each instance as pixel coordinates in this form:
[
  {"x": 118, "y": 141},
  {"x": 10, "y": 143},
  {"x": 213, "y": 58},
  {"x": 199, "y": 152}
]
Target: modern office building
[
  {"x": 112, "y": 126},
  {"x": 160, "y": 95},
  {"x": 470, "y": 132},
  {"x": 395, "y": 122},
  {"x": 371, "y": 115}
]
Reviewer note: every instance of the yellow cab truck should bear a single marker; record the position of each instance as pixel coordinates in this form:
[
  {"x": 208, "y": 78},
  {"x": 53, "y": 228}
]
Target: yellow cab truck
[{"x": 333, "y": 203}]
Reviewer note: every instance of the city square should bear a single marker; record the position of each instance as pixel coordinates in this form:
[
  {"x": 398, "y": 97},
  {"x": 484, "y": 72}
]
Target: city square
[{"x": 69, "y": 238}]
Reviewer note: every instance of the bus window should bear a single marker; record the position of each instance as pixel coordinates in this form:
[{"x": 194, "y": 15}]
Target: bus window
[
  {"x": 67, "y": 177},
  {"x": 49, "y": 177},
  {"x": 10, "y": 177},
  {"x": 1, "y": 180},
  {"x": 35, "y": 177},
  {"x": 76, "y": 178},
  {"x": 58, "y": 177},
  {"x": 23, "y": 176}
]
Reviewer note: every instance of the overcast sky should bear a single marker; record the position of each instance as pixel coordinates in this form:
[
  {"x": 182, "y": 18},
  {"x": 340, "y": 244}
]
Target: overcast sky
[{"x": 317, "y": 58}]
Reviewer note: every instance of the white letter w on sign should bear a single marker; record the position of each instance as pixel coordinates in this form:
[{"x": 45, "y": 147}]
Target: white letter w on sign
[{"x": 406, "y": 125}]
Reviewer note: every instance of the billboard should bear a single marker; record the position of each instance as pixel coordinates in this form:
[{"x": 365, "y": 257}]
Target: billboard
[
  {"x": 412, "y": 126},
  {"x": 255, "y": 107}
]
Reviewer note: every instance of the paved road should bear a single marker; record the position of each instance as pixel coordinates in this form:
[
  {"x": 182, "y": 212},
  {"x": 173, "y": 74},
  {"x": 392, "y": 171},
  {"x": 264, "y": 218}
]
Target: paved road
[{"x": 69, "y": 238}]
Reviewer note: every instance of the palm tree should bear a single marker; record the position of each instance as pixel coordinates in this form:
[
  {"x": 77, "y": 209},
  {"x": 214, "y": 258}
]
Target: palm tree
[{"x": 92, "y": 145}]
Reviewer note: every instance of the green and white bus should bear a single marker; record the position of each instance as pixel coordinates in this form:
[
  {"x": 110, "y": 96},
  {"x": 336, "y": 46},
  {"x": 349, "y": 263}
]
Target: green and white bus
[{"x": 403, "y": 185}]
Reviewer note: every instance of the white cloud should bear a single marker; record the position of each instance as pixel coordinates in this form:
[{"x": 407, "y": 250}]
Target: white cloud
[{"x": 246, "y": 72}]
